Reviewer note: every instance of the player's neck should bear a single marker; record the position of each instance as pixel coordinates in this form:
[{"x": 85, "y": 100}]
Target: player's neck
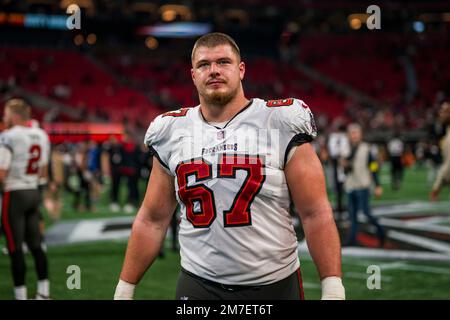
[
  {"x": 214, "y": 113},
  {"x": 19, "y": 123}
]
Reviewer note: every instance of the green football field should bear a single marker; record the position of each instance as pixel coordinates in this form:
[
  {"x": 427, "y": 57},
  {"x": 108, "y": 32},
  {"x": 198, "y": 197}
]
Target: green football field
[{"x": 100, "y": 263}]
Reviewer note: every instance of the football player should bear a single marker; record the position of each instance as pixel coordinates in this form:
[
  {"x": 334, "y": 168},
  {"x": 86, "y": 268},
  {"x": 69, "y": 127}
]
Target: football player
[
  {"x": 233, "y": 164},
  {"x": 21, "y": 163}
]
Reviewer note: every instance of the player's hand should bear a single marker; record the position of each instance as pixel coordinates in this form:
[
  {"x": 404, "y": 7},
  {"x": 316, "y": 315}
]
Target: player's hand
[
  {"x": 378, "y": 191},
  {"x": 434, "y": 195},
  {"x": 333, "y": 289},
  {"x": 124, "y": 291}
]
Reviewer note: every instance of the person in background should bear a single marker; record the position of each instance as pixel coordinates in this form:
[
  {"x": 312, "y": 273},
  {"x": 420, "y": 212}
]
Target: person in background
[
  {"x": 443, "y": 175},
  {"x": 396, "y": 148},
  {"x": 21, "y": 164},
  {"x": 94, "y": 168},
  {"x": 113, "y": 148},
  {"x": 338, "y": 147},
  {"x": 361, "y": 169},
  {"x": 84, "y": 178},
  {"x": 130, "y": 169}
]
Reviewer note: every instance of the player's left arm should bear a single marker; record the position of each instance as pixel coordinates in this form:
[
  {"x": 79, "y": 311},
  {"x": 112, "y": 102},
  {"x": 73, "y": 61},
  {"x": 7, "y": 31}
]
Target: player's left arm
[
  {"x": 45, "y": 158},
  {"x": 306, "y": 182}
]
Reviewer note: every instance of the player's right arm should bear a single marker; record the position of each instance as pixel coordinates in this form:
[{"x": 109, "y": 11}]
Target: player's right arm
[
  {"x": 153, "y": 218},
  {"x": 149, "y": 230},
  {"x": 5, "y": 159}
]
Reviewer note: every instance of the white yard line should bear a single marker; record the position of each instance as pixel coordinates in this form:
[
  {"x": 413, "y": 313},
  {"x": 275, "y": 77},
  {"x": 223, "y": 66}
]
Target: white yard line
[
  {"x": 371, "y": 253},
  {"x": 402, "y": 266},
  {"x": 420, "y": 241},
  {"x": 412, "y": 208},
  {"x": 414, "y": 225},
  {"x": 428, "y": 220},
  {"x": 365, "y": 276}
]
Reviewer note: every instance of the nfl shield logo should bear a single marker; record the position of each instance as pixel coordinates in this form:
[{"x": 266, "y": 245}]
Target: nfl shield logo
[{"x": 221, "y": 135}]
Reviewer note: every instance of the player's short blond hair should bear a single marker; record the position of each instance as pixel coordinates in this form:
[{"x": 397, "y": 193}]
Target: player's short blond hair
[
  {"x": 19, "y": 107},
  {"x": 215, "y": 39},
  {"x": 354, "y": 127}
]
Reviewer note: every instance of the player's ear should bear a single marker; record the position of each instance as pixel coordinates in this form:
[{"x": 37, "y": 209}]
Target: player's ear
[
  {"x": 193, "y": 75},
  {"x": 241, "y": 70}
]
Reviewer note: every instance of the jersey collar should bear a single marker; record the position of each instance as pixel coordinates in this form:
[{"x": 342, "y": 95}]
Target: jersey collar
[{"x": 229, "y": 121}]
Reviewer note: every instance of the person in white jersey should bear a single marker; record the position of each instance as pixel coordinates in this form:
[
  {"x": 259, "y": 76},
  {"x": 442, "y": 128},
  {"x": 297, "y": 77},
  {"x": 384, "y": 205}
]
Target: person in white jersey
[
  {"x": 233, "y": 165},
  {"x": 22, "y": 157}
]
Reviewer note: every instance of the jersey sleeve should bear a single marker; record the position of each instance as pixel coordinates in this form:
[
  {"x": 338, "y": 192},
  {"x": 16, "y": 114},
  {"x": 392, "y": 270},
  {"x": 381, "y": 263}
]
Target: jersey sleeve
[
  {"x": 295, "y": 123},
  {"x": 5, "y": 152},
  {"x": 157, "y": 139},
  {"x": 5, "y": 141}
]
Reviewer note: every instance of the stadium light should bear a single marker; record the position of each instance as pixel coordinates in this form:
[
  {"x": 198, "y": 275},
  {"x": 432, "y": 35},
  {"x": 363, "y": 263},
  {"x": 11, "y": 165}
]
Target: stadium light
[
  {"x": 78, "y": 39},
  {"x": 169, "y": 15},
  {"x": 151, "y": 43},
  {"x": 170, "y": 11},
  {"x": 175, "y": 30},
  {"x": 356, "y": 20},
  {"x": 91, "y": 39},
  {"x": 418, "y": 26},
  {"x": 355, "y": 23}
]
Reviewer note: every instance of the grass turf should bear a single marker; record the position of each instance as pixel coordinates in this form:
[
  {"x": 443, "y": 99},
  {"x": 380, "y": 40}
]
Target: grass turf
[{"x": 100, "y": 263}]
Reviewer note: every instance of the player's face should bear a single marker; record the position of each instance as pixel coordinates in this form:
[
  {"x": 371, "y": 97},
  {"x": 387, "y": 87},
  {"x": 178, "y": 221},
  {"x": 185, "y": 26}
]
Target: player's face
[
  {"x": 7, "y": 118},
  {"x": 217, "y": 73},
  {"x": 444, "y": 113},
  {"x": 355, "y": 136}
]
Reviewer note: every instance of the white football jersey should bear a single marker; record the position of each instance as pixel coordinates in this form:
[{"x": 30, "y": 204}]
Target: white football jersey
[
  {"x": 395, "y": 147},
  {"x": 338, "y": 145},
  {"x": 28, "y": 148},
  {"x": 234, "y": 200}
]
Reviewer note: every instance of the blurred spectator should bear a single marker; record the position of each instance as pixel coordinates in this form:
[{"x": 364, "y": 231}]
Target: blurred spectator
[
  {"x": 94, "y": 167},
  {"x": 84, "y": 177},
  {"x": 338, "y": 147},
  {"x": 361, "y": 169},
  {"x": 115, "y": 163},
  {"x": 130, "y": 169},
  {"x": 433, "y": 159},
  {"x": 443, "y": 176},
  {"x": 52, "y": 201},
  {"x": 125, "y": 162},
  {"x": 62, "y": 91},
  {"x": 396, "y": 148},
  {"x": 52, "y": 197}
]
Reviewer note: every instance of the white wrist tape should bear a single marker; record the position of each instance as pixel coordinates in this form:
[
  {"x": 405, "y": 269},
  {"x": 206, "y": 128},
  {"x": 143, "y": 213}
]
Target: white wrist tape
[
  {"x": 332, "y": 289},
  {"x": 124, "y": 291}
]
